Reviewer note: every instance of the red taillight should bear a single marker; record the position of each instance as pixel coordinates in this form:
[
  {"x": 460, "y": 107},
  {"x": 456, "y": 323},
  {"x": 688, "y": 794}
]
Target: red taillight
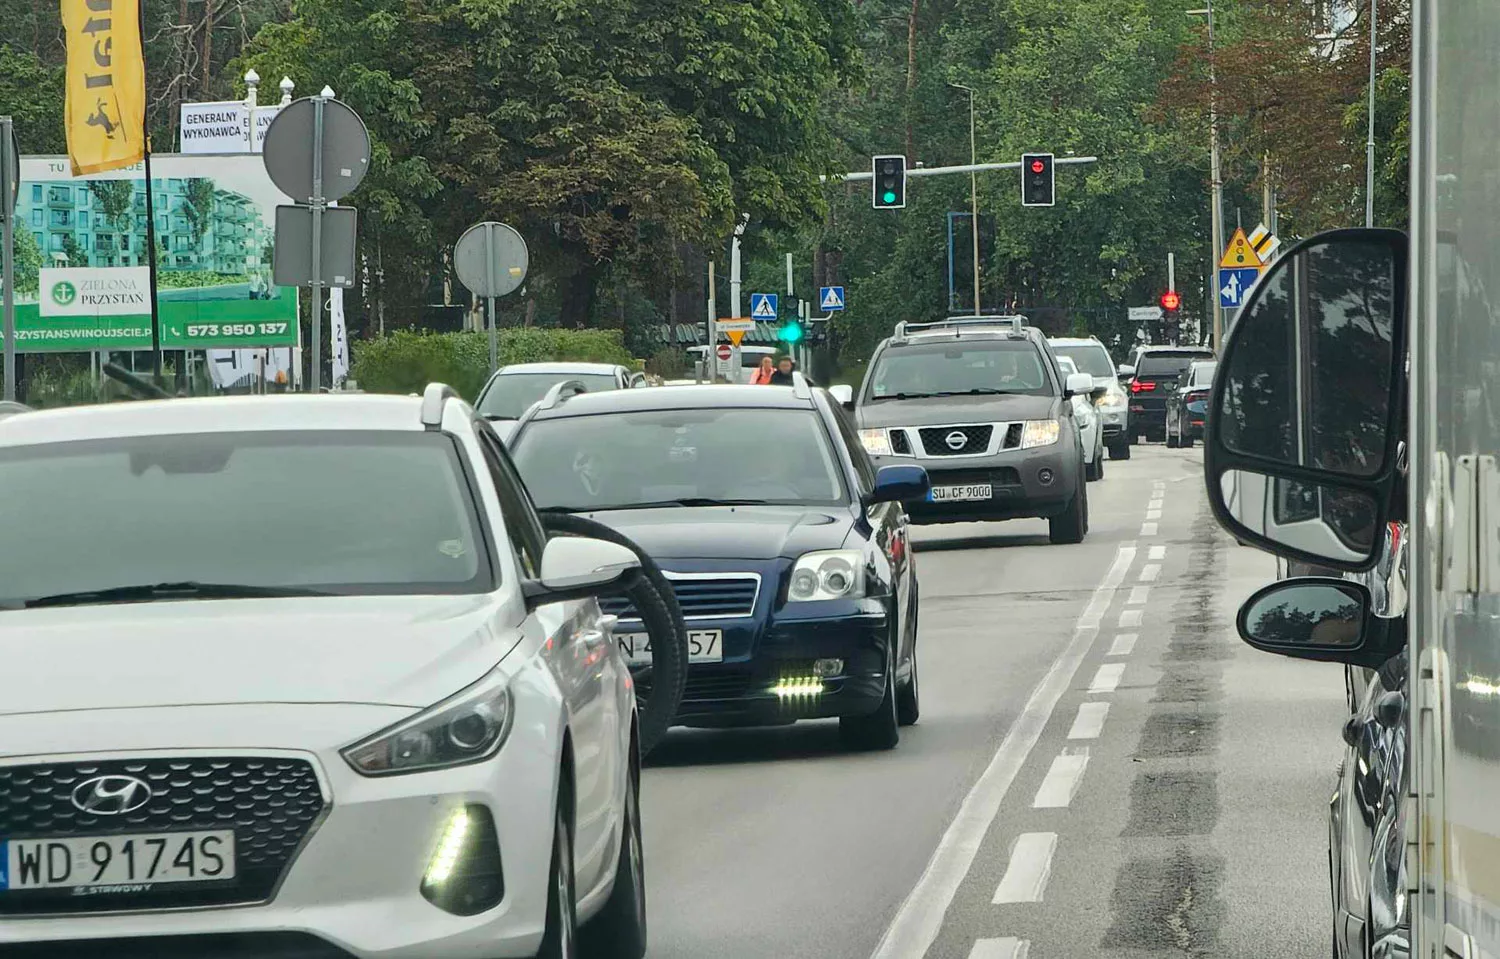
[{"x": 1137, "y": 386}]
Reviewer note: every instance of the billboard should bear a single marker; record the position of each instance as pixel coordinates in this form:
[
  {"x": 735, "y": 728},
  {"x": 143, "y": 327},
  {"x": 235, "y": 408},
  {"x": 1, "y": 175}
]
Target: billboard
[
  {"x": 82, "y": 280},
  {"x": 224, "y": 126}
]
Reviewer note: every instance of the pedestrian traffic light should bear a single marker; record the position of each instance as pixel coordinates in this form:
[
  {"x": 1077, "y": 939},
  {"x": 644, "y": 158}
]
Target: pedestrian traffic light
[
  {"x": 790, "y": 332},
  {"x": 1171, "y": 301},
  {"x": 1038, "y": 186},
  {"x": 888, "y": 191}
]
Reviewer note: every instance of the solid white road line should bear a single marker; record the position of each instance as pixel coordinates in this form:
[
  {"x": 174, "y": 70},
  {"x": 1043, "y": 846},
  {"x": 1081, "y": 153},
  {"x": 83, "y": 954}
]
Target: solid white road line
[
  {"x": 1158, "y": 553},
  {"x": 1139, "y": 595},
  {"x": 920, "y": 917},
  {"x": 1107, "y": 679},
  {"x": 1030, "y": 865},
  {"x": 1000, "y": 949},
  {"x": 1150, "y": 572},
  {"x": 1148, "y": 529},
  {"x": 1131, "y": 618},
  {"x": 1124, "y": 644},
  {"x": 1090, "y": 721},
  {"x": 1062, "y": 780}
]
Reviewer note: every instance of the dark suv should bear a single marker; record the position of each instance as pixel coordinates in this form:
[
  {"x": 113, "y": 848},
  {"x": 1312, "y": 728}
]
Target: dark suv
[
  {"x": 1152, "y": 375},
  {"x": 981, "y": 404}
]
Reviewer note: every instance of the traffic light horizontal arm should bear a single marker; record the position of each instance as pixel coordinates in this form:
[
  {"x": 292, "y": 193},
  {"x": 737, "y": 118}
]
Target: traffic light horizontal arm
[{"x": 912, "y": 171}]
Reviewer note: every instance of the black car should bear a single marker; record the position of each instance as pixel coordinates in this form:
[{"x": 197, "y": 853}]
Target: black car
[
  {"x": 788, "y": 550},
  {"x": 1187, "y": 406},
  {"x": 1154, "y": 375}
]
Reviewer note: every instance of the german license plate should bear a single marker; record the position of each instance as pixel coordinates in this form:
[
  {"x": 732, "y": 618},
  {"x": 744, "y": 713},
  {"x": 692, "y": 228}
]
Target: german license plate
[
  {"x": 960, "y": 494},
  {"x": 704, "y": 646},
  {"x": 146, "y": 858}
]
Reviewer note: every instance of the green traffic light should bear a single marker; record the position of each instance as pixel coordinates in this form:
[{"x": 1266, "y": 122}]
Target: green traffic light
[
  {"x": 889, "y": 196},
  {"x": 790, "y": 333}
]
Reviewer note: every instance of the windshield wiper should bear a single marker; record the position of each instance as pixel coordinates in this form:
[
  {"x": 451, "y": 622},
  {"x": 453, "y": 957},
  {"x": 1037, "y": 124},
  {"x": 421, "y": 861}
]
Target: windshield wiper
[
  {"x": 686, "y": 501},
  {"x": 904, "y": 396},
  {"x": 146, "y": 593},
  {"x": 977, "y": 391}
]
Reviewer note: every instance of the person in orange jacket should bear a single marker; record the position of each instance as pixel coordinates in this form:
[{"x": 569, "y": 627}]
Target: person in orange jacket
[{"x": 763, "y": 373}]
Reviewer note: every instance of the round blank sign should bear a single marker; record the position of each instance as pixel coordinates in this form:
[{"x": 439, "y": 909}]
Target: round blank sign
[
  {"x": 490, "y": 259},
  {"x": 288, "y": 150}
]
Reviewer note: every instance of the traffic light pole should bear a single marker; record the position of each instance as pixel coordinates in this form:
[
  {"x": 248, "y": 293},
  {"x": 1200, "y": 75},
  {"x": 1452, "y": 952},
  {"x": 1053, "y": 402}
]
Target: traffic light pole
[{"x": 943, "y": 170}]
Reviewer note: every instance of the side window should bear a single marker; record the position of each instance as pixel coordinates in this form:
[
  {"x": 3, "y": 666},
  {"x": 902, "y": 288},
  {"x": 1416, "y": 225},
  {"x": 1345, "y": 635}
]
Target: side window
[
  {"x": 850, "y": 434},
  {"x": 522, "y": 525}
]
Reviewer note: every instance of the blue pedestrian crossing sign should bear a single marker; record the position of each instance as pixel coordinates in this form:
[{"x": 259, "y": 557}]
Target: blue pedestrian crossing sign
[
  {"x": 831, "y": 298},
  {"x": 1234, "y": 283},
  {"x": 763, "y": 306}
]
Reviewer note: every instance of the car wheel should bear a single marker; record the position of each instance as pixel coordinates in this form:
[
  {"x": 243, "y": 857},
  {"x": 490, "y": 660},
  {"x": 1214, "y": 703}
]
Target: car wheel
[
  {"x": 1120, "y": 450},
  {"x": 560, "y": 939},
  {"x": 1073, "y": 525},
  {"x": 880, "y": 729},
  {"x": 1094, "y": 471},
  {"x": 619, "y": 931},
  {"x": 1187, "y": 441}
]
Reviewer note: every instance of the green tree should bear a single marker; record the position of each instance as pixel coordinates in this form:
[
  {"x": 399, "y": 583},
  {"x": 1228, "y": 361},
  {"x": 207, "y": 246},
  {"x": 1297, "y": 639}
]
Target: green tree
[{"x": 199, "y": 208}]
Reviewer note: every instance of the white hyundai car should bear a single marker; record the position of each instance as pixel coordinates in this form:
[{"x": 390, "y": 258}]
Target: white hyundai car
[{"x": 302, "y": 676}]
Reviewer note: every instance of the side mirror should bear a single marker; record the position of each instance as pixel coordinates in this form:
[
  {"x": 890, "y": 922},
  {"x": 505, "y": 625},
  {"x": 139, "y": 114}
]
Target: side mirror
[
  {"x": 843, "y": 395},
  {"x": 894, "y": 484},
  {"x": 1322, "y": 619},
  {"x": 1124, "y": 373},
  {"x": 1300, "y": 445},
  {"x": 1079, "y": 384},
  {"x": 575, "y": 567}
]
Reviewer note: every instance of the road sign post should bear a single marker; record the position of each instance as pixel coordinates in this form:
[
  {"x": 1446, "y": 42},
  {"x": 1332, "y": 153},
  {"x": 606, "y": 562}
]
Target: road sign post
[
  {"x": 491, "y": 259},
  {"x": 10, "y": 187},
  {"x": 317, "y": 151}
]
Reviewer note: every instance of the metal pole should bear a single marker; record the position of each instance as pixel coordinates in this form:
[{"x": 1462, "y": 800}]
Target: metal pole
[
  {"x": 317, "y": 204},
  {"x": 712, "y": 328},
  {"x": 734, "y": 265},
  {"x": 1370, "y": 134},
  {"x": 1218, "y": 184},
  {"x": 789, "y": 276},
  {"x": 489, "y": 270},
  {"x": 915, "y": 171},
  {"x": 8, "y": 254},
  {"x": 974, "y": 199}
]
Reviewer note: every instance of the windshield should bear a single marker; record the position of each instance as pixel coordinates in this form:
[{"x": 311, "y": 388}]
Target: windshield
[
  {"x": 366, "y": 512},
  {"x": 1168, "y": 364},
  {"x": 936, "y": 369},
  {"x": 511, "y": 394},
  {"x": 693, "y": 456},
  {"x": 1090, "y": 358}
]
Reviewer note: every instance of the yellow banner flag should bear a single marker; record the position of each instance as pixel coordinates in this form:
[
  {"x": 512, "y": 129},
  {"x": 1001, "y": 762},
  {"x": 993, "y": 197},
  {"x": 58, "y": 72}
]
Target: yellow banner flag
[{"x": 106, "y": 109}]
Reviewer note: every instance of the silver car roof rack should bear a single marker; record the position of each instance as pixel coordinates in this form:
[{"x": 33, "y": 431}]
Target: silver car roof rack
[
  {"x": 1013, "y": 324},
  {"x": 800, "y": 386},
  {"x": 561, "y": 392},
  {"x": 434, "y": 398}
]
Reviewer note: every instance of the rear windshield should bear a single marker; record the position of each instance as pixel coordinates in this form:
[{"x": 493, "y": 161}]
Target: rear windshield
[
  {"x": 511, "y": 394},
  {"x": 364, "y": 512},
  {"x": 1090, "y": 358},
  {"x": 1169, "y": 364}
]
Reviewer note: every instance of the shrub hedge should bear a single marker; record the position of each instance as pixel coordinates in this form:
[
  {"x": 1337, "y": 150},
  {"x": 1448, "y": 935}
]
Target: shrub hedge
[{"x": 406, "y": 361}]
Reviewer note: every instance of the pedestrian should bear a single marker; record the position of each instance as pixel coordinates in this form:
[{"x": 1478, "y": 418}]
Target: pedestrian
[
  {"x": 764, "y": 372},
  {"x": 783, "y": 374}
]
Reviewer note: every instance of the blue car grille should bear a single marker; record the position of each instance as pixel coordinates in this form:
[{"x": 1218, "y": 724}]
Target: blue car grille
[{"x": 708, "y": 597}]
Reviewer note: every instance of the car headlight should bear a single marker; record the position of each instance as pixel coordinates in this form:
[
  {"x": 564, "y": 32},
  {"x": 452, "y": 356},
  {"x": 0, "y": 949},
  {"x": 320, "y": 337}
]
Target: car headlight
[
  {"x": 466, "y": 728},
  {"x": 877, "y": 442},
  {"x": 827, "y": 574},
  {"x": 1110, "y": 401},
  {"x": 1040, "y": 433}
]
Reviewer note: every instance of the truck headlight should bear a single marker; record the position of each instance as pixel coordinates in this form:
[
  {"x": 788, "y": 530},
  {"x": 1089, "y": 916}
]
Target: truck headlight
[
  {"x": 466, "y": 728},
  {"x": 877, "y": 442},
  {"x": 827, "y": 574},
  {"x": 1040, "y": 433}
]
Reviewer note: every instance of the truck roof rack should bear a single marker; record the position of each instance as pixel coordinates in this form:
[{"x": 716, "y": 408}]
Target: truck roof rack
[{"x": 1012, "y": 324}]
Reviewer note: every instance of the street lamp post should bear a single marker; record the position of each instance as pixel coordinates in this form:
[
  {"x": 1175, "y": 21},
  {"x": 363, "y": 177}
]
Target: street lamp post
[
  {"x": 1218, "y": 182},
  {"x": 973, "y": 191},
  {"x": 1370, "y": 131}
]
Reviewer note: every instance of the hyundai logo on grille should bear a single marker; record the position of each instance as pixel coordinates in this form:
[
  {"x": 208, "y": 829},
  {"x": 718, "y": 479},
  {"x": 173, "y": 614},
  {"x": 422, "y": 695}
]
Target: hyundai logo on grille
[
  {"x": 111, "y": 795},
  {"x": 957, "y": 440}
]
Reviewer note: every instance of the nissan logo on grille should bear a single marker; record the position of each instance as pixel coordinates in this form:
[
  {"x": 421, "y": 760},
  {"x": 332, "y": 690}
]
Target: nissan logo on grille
[
  {"x": 957, "y": 440},
  {"x": 111, "y": 795}
]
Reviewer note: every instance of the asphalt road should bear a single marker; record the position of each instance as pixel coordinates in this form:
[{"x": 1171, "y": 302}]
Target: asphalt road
[{"x": 1101, "y": 768}]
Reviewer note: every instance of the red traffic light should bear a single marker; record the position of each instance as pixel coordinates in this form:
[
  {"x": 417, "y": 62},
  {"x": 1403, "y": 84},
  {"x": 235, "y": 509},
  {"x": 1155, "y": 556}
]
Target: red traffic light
[
  {"x": 1037, "y": 166},
  {"x": 1171, "y": 301}
]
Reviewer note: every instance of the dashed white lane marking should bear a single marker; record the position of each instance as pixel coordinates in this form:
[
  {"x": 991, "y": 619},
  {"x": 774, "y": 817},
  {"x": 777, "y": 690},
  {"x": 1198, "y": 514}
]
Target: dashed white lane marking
[
  {"x": 1124, "y": 644},
  {"x": 1158, "y": 553},
  {"x": 1152, "y": 514},
  {"x": 1062, "y": 780},
  {"x": 920, "y": 917},
  {"x": 1150, "y": 572},
  {"x": 1148, "y": 529},
  {"x": 1090, "y": 721},
  {"x": 1030, "y": 865},
  {"x": 1000, "y": 949},
  {"x": 1107, "y": 679},
  {"x": 1131, "y": 618},
  {"x": 1139, "y": 595}
]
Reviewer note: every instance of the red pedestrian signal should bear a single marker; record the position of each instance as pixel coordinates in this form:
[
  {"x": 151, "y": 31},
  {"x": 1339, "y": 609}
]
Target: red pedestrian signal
[{"x": 1171, "y": 301}]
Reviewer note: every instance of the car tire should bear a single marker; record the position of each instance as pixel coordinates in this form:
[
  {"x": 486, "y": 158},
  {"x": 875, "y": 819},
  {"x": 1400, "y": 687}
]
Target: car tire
[
  {"x": 560, "y": 937},
  {"x": 1120, "y": 450},
  {"x": 1187, "y": 441},
  {"x": 880, "y": 729},
  {"x": 1072, "y": 526},
  {"x": 1094, "y": 472},
  {"x": 619, "y": 931}
]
